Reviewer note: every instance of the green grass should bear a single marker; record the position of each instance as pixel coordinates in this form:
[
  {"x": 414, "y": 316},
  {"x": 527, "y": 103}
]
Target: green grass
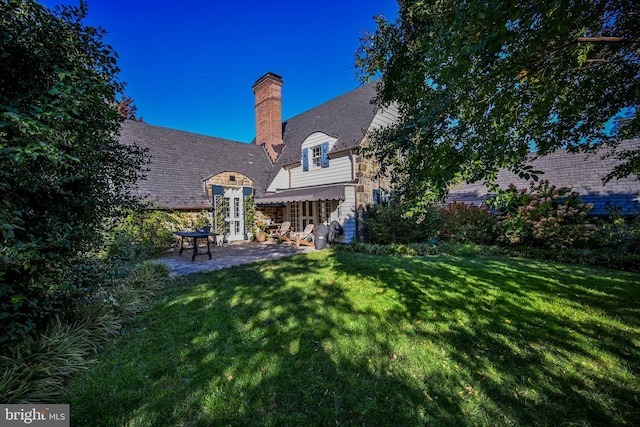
[{"x": 335, "y": 338}]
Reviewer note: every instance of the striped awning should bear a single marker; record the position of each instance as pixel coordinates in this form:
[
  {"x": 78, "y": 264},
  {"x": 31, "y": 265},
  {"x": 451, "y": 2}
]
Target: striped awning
[{"x": 312, "y": 194}]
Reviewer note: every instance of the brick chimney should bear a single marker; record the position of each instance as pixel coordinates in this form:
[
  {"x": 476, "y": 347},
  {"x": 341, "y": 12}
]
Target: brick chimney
[{"x": 268, "y": 93}]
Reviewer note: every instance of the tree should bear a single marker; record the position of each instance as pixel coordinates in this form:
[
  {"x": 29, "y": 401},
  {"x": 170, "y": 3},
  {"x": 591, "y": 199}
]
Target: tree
[
  {"x": 481, "y": 83},
  {"x": 127, "y": 109},
  {"x": 63, "y": 172}
]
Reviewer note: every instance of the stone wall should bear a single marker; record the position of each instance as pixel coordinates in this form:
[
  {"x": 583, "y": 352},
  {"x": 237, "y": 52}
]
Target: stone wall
[
  {"x": 366, "y": 169},
  {"x": 227, "y": 179}
]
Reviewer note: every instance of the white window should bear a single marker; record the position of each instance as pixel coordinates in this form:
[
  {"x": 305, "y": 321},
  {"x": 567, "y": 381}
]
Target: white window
[
  {"x": 294, "y": 213},
  {"x": 226, "y": 206},
  {"x": 325, "y": 209},
  {"x": 236, "y": 207},
  {"x": 316, "y": 156}
]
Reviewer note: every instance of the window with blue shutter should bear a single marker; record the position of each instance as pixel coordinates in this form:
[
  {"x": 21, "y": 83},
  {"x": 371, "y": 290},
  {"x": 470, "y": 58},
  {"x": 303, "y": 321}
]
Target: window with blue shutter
[
  {"x": 325, "y": 155},
  {"x": 305, "y": 159},
  {"x": 377, "y": 199}
]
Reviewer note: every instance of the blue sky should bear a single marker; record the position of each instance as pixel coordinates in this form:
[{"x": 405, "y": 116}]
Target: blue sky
[{"x": 190, "y": 65}]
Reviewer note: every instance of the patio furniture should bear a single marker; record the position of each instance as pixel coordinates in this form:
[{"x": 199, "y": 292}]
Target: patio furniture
[
  {"x": 201, "y": 234},
  {"x": 335, "y": 230},
  {"x": 282, "y": 233},
  {"x": 305, "y": 238},
  {"x": 322, "y": 234}
]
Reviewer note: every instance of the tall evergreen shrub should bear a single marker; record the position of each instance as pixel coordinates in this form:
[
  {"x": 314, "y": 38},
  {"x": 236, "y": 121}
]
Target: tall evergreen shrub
[{"x": 63, "y": 174}]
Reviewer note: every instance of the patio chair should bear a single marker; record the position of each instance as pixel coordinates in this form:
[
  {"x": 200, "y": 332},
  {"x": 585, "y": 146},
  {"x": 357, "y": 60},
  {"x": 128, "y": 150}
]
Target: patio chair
[
  {"x": 282, "y": 233},
  {"x": 306, "y": 237}
]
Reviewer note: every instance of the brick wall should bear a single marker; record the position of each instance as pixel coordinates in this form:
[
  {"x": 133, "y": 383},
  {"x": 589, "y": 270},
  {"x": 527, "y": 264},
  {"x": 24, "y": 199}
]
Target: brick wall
[{"x": 268, "y": 107}]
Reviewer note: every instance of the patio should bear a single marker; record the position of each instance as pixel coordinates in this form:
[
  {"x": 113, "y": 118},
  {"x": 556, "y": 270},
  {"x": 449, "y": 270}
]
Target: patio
[{"x": 228, "y": 255}]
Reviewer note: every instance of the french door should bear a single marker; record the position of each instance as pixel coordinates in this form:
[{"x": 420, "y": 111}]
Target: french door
[
  {"x": 301, "y": 214},
  {"x": 234, "y": 213}
]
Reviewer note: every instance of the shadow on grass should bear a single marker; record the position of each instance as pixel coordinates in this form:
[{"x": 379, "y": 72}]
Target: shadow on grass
[
  {"x": 543, "y": 344},
  {"x": 350, "y": 339}
]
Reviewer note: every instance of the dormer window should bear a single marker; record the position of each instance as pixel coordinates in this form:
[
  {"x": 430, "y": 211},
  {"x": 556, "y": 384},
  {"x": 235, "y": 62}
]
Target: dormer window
[{"x": 316, "y": 157}]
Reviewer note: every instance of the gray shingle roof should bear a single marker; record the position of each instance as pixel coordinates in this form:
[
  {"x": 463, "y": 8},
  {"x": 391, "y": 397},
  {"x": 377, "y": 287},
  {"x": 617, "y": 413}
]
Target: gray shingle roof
[
  {"x": 346, "y": 117},
  {"x": 581, "y": 172},
  {"x": 180, "y": 161}
]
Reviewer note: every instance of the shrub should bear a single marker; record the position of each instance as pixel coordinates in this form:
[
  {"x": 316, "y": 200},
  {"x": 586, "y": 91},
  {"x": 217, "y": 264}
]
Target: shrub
[
  {"x": 63, "y": 171},
  {"x": 618, "y": 232},
  {"x": 144, "y": 235},
  {"x": 417, "y": 249},
  {"x": 607, "y": 258},
  {"x": 469, "y": 223},
  {"x": 36, "y": 369},
  {"x": 392, "y": 223},
  {"x": 543, "y": 216}
]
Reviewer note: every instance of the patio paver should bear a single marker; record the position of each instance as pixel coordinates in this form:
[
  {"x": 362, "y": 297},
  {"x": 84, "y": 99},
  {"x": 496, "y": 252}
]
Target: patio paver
[{"x": 228, "y": 255}]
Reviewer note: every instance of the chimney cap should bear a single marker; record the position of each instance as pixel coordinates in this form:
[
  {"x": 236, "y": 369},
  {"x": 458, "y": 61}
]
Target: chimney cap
[{"x": 269, "y": 75}]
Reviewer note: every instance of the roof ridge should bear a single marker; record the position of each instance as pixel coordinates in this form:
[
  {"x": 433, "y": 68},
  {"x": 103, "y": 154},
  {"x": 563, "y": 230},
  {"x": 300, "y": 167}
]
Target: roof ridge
[
  {"x": 334, "y": 99},
  {"x": 136, "y": 123}
]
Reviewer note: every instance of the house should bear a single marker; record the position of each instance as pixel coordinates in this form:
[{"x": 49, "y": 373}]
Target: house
[
  {"x": 307, "y": 169},
  {"x": 584, "y": 173},
  {"x": 303, "y": 170}
]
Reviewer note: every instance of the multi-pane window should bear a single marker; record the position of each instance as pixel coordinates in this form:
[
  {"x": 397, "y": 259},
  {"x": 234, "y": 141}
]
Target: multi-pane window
[
  {"x": 225, "y": 206},
  {"x": 294, "y": 213},
  {"x": 307, "y": 216},
  {"x": 316, "y": 156},
  {"x": 325, "y": 208},
  {"x": 236, "y": 207},
  {"x": 307, "y": 208}
]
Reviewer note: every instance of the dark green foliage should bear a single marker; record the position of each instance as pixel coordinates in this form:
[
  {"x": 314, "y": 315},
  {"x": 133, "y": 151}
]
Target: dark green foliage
[
  {"x": 618, "y": 232},
  {"x": 479, "y": 83},
  {"x": 396, "y": 223},
  {"x": 601, "y": 257},
  {"x": 390, "y": 223},
  {"x": 36, "y": 369},
  {"x": 419, "y": 249},
  {"x": 607, "y": 258},
  {"x": 469, "y": 223},
  {"x": 63, "y": 173},
  {"x": 541, "y": 222},
  {"x": 144, "y": 235}
]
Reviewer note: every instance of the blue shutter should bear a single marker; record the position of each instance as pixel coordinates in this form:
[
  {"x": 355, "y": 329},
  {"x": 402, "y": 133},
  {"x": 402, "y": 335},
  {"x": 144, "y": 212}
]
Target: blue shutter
[
  {"x": 305, "y": 159},
  {"x": 377, "y": 199},
  {"x": 216, "y": 190},
  {"x": 325, "y": 155}
]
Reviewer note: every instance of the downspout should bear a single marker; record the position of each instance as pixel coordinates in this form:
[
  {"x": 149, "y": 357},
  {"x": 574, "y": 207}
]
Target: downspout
[
  {"x": 353, "y": 165},
  {"x": 353, "y": 178}
]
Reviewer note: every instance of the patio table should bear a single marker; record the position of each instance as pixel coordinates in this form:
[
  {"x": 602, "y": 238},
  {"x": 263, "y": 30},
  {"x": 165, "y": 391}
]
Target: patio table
[{"x": 195, "y": 235}]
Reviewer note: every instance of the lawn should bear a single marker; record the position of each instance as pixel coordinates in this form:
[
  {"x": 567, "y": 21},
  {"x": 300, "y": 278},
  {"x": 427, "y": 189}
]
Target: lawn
[{"x": 335, "y": 338}]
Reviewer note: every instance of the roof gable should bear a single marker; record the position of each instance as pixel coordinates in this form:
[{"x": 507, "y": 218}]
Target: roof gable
[
  {"x": 181, "y": 161},
  {"x": 346, "y": 117}
]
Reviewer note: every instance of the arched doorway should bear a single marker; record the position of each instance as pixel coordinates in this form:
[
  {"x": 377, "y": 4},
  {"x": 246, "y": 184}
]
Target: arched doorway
[{"x": 229, "y": 195}]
